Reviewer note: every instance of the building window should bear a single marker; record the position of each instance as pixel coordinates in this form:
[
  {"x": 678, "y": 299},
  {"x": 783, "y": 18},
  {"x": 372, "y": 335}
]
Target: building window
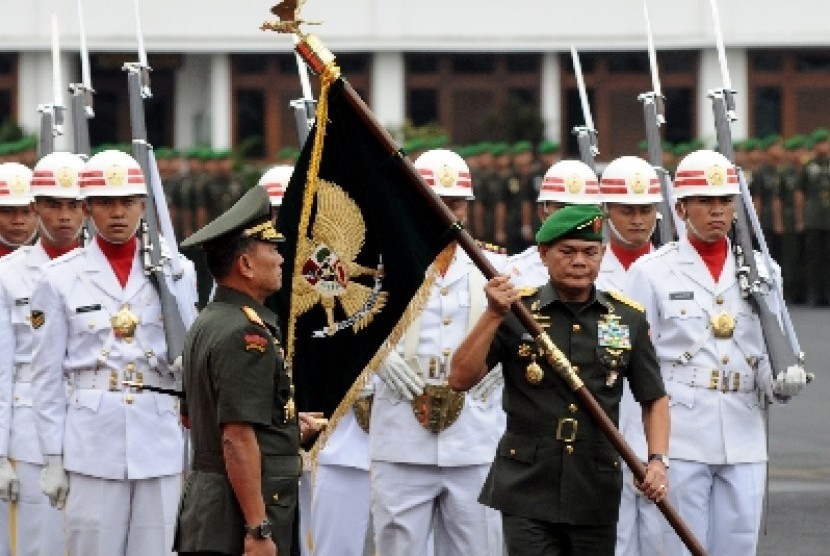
[
  {"x": 8, "y": 88},
  {"x": 614, "y": 81},
  {"x": 263, "y": 85},
  {"x": 789, "y": 91},
  {"x": 475, "y": 97}
]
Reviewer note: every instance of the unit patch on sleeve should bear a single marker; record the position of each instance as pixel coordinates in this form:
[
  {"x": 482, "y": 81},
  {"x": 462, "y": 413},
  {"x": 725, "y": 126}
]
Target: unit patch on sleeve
[{"x": 255, "y": 342}]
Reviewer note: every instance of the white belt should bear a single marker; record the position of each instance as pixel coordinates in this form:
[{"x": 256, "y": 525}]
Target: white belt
[
  {"x": 711, "y": 379},
  {"x": 23, "y": 372},
  {"x": 111, "y": 380}
]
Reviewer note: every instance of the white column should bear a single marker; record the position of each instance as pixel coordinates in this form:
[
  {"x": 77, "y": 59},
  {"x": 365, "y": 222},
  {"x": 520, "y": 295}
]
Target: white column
[
  {"x": 389, "y": 89},
  {"x": 551, "y": 101},
  {"x": 192, "y": 103},
  {"x": 220, "y": 101},
  {"x": 34, "y": 87},
  {"x": 710, "y": 79}
]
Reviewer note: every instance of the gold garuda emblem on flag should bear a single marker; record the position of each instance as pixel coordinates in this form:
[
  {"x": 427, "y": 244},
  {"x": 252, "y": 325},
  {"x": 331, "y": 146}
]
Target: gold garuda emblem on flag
[{"x": 329, "y": 266}]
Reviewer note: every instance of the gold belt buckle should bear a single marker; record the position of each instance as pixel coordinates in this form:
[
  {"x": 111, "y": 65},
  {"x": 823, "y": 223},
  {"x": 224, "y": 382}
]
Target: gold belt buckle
[
  {"x": 438, "y": 407},
  {"x": 561, "y": 424}
]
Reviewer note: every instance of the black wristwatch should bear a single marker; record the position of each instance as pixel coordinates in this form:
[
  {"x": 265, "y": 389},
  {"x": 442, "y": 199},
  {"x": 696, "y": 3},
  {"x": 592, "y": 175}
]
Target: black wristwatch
[
  {"x": 663, "y": 458},
  {"x": 261, "y": 531}
]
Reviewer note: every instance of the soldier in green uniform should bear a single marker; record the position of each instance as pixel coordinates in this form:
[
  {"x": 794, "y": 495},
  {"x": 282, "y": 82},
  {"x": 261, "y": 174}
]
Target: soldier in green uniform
[
  {"x": 556, "y": 478},
  {"x": 815, "y": 200},
  {"x": 765, "y": 188},
  {"x": 792, "y": 241},
  {"x": 489, "y": 195},
  {"x": 520, "y": 200},
  {"x": 242, "y": 493}
]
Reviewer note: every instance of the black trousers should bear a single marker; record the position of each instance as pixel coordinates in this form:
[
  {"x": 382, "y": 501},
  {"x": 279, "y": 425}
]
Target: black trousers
[{"x": 532, "y": 537}]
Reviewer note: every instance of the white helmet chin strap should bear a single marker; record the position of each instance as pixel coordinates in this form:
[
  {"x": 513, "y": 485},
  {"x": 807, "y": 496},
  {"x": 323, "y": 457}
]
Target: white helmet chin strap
[
  {"x": 618, "y": 236},
  {"x": 45, "y": 233}
]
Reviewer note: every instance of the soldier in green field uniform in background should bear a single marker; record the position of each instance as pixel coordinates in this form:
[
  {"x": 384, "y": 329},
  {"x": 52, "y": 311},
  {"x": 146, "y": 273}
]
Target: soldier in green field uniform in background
[{"x": 814, "y": 198}]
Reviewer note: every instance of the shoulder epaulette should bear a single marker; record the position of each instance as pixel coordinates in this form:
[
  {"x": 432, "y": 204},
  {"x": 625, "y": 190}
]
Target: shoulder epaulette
[
  {"x": 253, "y": 316},
  {"x": 527, "y": 291},
  {"x": 625, "y": 300}
]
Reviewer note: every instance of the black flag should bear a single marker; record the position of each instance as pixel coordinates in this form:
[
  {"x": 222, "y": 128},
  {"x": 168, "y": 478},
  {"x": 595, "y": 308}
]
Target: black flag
[{"x": 371, "y": 236}]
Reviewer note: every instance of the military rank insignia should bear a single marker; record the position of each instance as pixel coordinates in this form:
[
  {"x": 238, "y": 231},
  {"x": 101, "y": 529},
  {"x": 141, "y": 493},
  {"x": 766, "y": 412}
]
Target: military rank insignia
[
  {"x": 38, "y": 319},
  {"x": 611, "y": 333},
  {"x": 255, "y": 342}
]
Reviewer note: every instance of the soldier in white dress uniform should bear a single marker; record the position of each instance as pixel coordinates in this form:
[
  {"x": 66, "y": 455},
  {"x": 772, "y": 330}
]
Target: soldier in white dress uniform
[
  {"x": 714, "y": 363},
  {"x": 18, "y": 225},
  {"x": 56, "y": 193},
  {"x": 97, "y": 322},
  {"x": 567, "y": 182},
  {"x": 630, "y": 192},
  {"x": 430, "y": 455}
]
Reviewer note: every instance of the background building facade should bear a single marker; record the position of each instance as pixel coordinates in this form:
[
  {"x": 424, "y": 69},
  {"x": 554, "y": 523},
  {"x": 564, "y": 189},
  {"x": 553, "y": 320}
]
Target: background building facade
[{"x": 480, "y": 69}]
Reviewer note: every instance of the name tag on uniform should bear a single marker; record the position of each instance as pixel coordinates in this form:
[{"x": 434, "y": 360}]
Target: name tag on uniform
[
  {"x": 21, "y": 301},
  {"x": 87, "y": 308},
  {"x": 681, "y": 295}
]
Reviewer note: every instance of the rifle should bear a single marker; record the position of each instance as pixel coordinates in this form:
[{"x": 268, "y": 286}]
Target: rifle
[
  {"x": 138, "y": 83},
  {"x": 782, "y": 343},
  {"x": 305, "y": 108},
  {"x": 51, "y": 115},
  {"x": 81, "y": 93},
  {"x": 319, "y": 59},
  {"x": 586, "y": 135},
  {"x": 653, "y": 108}
]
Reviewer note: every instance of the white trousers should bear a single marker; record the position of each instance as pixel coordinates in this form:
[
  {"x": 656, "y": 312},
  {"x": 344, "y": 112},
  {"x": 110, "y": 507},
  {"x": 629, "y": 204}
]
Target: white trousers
[
  {"x": 130, "y": 517},
  {"x": 5, "y": 536},
  {"x": 721, "y": 504},
  {"x": 304, "y": 513},
  {"x": 39, "y": 525},
  {"x": 640, "y": 525},
  {"x": 409, "y": 501},
  {"x": 340, "y": 510}
]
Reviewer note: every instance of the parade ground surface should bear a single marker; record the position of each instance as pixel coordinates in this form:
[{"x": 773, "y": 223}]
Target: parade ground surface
[{"x": 798, "y": 518}]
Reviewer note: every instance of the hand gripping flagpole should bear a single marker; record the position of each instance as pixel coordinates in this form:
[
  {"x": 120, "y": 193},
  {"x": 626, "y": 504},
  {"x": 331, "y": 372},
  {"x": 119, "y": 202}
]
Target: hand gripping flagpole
[
  {"x": 321, "y": 61},
  {"x": 653, "y": 108}
]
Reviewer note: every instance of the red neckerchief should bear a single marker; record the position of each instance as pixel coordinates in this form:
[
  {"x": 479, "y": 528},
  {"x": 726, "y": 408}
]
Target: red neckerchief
[
  {"x": 5, "y": 250},
  {"x": 54, "y": 252},
  {"x": 713, "y": 254},
  {"x": 120, "y": 257},
  {"x": 628, "y": 256}
]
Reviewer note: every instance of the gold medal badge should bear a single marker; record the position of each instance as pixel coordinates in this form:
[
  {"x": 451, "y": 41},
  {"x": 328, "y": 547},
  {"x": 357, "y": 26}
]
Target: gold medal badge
[
  {"x": 534, "y": 373},
  {"x": 124, "y": 323},
  {"x": 723, "y": 325}
]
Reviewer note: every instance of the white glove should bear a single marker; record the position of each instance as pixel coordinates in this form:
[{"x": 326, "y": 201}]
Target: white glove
[
  {"x": 367, "y": 390},
  {"x": 789, "y": 382},
  {"x": 54, "y": 482},
  {"x": 488, "y": 384},
  {"x": 400, "y": 377},
  {"x": 9, "y": 483},
  {"x": 176, "y": 366}
]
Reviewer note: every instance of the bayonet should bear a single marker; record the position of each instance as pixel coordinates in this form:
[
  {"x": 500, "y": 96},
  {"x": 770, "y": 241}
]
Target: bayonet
[
  {"x": 51, "y": 115},
  {"x": 305, "y": 108},
  {"x": 727, "y": 92},
  {"x": 81, "y": 93},
  {"x": 652, "y": 110},
  {"x": 586, "y": 135}
]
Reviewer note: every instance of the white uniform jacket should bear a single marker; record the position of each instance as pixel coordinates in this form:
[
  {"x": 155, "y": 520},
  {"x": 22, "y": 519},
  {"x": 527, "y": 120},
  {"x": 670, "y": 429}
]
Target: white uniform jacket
[
  {"x": 716, "y": 385},
  {"x": 455, "y": 304},
  {"x": 526, "y": 269},
  {"x": 18, "y": 430},
  {"x": 348, "y": 445},
  {"x": 103, "y": 431},
  {"x": 614, "y": 277}
]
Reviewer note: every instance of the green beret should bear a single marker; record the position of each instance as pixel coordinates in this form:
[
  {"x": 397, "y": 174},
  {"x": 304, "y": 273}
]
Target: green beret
[
  {"x": 769, "y": 141},
  {"x": 437, "y": 142},
  {"x": 163, "y": 153},
  {"x": 572, "y": 222},
  {"x": 668, "y": 147},
  {"x": 414, "y": 145},
  {"x": 521, "y": 147},
  {"x": 250, "y": 216},
  {"x": 795, "y": 142},
  {"x": 642, "y": 145},
  {"x": 499, "y": 149},
  {"x": 288, "y": 153},
  {"x": 695, "y": 145},
  {"x": 4, "y": 149},
  {"x": 681, "y": 149},
  {"x": 464, "y": 151},
  {"x": 485, "y": 147},
  {"x": 819, "y": 135},
  {"x": 548, "y": 147},
  {"x": 752, "y": 144}
]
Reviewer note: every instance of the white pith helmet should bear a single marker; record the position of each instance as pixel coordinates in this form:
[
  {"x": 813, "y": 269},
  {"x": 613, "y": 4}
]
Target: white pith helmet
[
  {"x": 446, "y": 173},
  {"x": 705, "y": 173},
  {"x": 630, "y": 180},
  {"x": 112, "y": 174},
  {"x": 58, "y": 175},
  {"x": 571, "y": 182},
  {"x": 15, "y": 185},
  {"x": 275, "y": 181}
]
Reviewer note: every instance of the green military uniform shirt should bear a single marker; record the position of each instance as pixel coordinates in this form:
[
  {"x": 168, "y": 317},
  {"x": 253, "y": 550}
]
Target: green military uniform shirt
[
  {"x": 553, "y": 463},
  {"x": 815, "y": 184},
  {"x": 234, "y": 373},
  {"x": 766, "y": 187}
]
